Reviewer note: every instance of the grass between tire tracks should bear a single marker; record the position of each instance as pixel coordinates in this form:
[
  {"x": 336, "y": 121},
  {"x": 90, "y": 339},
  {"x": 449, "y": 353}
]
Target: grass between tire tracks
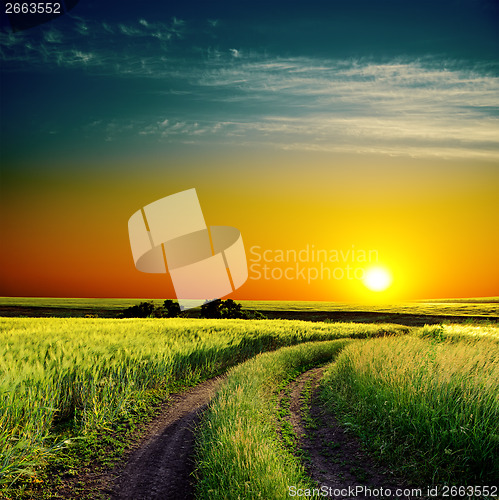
[
  {"x": 239, "y": 454},
  {"x": 285, "y": 428}
]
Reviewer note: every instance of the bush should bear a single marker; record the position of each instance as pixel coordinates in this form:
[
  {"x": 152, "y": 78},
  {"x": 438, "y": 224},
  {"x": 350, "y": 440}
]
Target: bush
[
  {"x": 216, "y": 309},
  {"x": 228, "y": 309},
  {"x": 142, "y": 310},
  {"x": 171, "y": 309}
]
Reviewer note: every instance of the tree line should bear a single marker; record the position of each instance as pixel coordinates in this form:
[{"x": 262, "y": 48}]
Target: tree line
[{"x": 215, "y": 309}]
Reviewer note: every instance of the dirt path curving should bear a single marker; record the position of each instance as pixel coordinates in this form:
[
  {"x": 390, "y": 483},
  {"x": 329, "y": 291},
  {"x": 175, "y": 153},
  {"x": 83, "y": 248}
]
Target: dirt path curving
[
  {"x": 334, "y": 458},
  {"x": 158, "y": 463},
  {"x": 161, "y": 465}
]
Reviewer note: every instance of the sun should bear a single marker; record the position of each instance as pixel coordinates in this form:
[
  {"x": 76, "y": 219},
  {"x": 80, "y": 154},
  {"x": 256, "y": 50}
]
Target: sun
[{"x": 377, "y": 279}]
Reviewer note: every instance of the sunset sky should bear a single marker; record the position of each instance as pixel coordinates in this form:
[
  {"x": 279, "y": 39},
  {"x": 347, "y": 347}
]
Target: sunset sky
[{"x": 342, "y": 126}]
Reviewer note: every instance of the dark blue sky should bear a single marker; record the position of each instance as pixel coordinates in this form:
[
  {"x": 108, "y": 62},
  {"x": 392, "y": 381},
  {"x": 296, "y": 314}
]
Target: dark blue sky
[
  {"x": 139, "y": 75},
  {"x": 331, "y": 28}
]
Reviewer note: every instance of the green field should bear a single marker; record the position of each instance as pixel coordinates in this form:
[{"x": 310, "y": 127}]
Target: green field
[
  {"x": 65, "y": 382},
  {"x": 478, "y": 308},
  {"x": 426, "y": 404},
  {"x": 90, "y": 374}
]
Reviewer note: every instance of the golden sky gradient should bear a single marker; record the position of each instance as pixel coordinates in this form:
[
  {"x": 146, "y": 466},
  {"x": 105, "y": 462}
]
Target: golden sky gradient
[
  {"x": 331, "y": 125},
  {"x": 430, "y": 223}
]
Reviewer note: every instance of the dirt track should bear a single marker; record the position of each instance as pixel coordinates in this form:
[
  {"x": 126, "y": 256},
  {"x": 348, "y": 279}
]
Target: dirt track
[
  {"x": 161, "y": 465},
  {"x": 337, "y": 459}
]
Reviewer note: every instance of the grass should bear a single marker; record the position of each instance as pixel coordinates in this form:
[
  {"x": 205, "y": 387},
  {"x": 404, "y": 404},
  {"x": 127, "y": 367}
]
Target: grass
[
  {"x": 65, "y": 378},
  {"x": 470, "y": 333},
  {"x": 239, "y": 454},
  {"x": 425, "y": 403},
  {"x": 486, "y": 307},
  {"x": 305, "y": 407},
  {"x": 70, "y": 387},
  {"x": 284, "y": 427}
]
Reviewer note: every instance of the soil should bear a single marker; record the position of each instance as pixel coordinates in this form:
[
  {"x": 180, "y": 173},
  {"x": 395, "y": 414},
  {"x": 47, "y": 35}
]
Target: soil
[
  {"x": 162, "y": 464},
  {"x": 335, "y": 458},
  {"x": 159, "y": 464}
]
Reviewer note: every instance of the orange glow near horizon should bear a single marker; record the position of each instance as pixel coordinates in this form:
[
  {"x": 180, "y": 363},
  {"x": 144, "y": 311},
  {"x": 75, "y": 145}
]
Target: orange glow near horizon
[{"x": 432, "y": 231}]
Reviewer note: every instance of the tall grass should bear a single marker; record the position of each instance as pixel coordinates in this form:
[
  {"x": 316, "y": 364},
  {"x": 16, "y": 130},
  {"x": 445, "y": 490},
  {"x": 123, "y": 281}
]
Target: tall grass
[
  {"x": 239, "y": 455},
  {"x": 92, "y": 372},
  {"x": 471, "y": 333},
  {"x": 428, "y": 404},
  {"x": 488, "y": 307}
]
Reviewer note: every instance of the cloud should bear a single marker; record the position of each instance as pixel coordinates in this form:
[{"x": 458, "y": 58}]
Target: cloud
[
  {"x": 52, "y": 36},
  {"x": 415, "y": 107},
  {"x": 107, "y": 28},
  {"x": 11, "y": 41},
  {"x": 129, "y": 30},
  {"x": 107, "y": 44},
  {"x": 82, "y": 27},
  {"x": 398, "y": 108}
]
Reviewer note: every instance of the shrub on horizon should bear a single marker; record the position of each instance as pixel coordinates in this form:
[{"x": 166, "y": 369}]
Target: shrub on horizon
[
  {"x": 171, "y": 309},
  {"x": 227, "y": 309},
  {"x": 142, "y": 310}
]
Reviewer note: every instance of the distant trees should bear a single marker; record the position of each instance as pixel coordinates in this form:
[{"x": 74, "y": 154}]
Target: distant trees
[
  {"x": 221, "y": 309},
  {"x": 227, "y": 309},
  {"x": 142, "y": 310},
  {"x": 216, "y": 309},
  {"x": 170, "y": 309}
]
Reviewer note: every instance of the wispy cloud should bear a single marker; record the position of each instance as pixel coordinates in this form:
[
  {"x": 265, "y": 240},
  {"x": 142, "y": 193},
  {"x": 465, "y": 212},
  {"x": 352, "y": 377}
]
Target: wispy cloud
[
  {"x": 399, "y": 108},
  {"x": 82, "y": 29},
  {"x": 395, "y": 109},
  {"x": 52, "y": 36},
  {"x": 416, "y": 108},
  {"x": 108, "y": 43},
  {"x": 429, "y": 107}
]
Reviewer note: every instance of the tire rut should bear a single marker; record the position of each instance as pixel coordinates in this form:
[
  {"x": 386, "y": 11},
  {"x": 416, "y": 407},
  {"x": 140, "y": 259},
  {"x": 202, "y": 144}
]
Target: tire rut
[
  {"x": 335, "y": 458},
  {"x": 161, "y": 465}
]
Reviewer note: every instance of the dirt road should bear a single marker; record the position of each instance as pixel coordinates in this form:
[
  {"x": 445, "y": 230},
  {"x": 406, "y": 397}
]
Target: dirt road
[
  {"x": 336, "y": 458},
  {"x": 162, "y": 463}
]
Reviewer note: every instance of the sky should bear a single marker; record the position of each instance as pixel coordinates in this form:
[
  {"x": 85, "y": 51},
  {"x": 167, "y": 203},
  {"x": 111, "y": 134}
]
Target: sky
[{"x": 359, "y": 128}]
